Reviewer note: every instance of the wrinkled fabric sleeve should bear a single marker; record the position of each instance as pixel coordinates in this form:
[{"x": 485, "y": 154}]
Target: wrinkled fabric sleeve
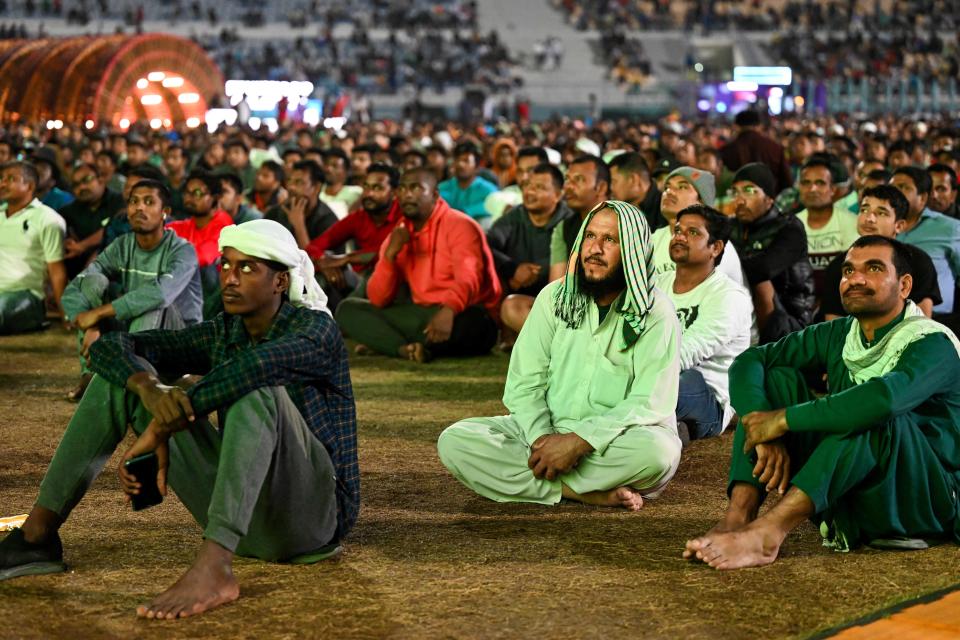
[
  {"x": 653, "y": 395},
  {"x": 525, "y": 392},
  {"x": 926, "y": 367}
]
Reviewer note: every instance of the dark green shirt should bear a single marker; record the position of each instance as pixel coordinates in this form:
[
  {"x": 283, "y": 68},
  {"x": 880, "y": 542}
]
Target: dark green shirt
[{"x": 922, "y": 384}]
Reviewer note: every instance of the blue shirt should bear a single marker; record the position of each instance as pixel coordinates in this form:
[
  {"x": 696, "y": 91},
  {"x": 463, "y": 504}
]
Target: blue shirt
[
  {"x": 57, "y": 199},
  {"x": 939, "y": 236},
  {"x": 469, "y": 200}
]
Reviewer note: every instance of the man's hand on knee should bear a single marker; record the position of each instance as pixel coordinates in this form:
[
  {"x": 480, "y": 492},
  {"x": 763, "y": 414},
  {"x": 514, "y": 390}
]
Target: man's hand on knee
[
  {"x": 763, "y": 426},
  {"x": 557, "y": 453},
  {"x": 773, "y": 466},
  {"x": 169, "y": 406}
]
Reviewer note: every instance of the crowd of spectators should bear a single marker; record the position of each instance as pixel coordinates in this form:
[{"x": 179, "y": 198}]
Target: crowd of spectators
[
  {"x": 414, "y": 58},
  {"x": 439, "y": 14}
]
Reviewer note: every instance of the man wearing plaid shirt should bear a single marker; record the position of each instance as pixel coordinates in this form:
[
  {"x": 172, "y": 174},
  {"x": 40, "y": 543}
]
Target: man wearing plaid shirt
[{"x": 278, "y": 480}]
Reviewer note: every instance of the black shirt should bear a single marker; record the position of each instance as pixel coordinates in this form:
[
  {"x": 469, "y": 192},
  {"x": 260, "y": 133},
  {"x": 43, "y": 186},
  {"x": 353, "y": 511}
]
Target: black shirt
[{"x": 925, "y": 283}]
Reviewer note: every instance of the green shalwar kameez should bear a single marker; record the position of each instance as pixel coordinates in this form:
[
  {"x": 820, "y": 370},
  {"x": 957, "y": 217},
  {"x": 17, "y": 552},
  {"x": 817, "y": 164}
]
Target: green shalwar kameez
[{"x": 879, "y": 459}]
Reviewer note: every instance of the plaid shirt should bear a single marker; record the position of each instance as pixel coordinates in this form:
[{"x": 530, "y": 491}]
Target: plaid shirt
[{"x": 303, "y": 351}]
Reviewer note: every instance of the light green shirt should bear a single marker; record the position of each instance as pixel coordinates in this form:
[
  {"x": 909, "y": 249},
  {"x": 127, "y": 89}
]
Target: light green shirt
[
  {"x": 343, "y": 202},
  {"x": 564, "y": 380},
  {"x": 29, "y": 239}
]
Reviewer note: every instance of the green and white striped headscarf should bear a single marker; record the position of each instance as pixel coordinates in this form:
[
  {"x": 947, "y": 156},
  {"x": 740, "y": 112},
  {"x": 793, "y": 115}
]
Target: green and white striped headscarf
[{"x": 636, "y": 256}]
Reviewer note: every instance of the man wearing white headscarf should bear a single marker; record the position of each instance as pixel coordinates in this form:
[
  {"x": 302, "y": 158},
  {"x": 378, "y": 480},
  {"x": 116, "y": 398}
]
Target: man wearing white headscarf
[
  {"x": 278, "y": 480},
  {"x": 592, "y": 384}
]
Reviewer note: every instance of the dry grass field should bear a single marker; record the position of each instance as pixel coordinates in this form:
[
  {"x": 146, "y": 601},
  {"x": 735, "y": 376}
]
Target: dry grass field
[{"x": 427, "y": 559}]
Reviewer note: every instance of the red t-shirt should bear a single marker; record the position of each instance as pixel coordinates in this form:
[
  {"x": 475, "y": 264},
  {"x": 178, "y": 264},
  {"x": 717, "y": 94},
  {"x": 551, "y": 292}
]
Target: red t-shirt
[
  {"x": 359, "y": 227},
  {"x": 205, "y": 241}
]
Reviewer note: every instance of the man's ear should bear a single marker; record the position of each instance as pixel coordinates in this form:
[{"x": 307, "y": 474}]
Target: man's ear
[
  {"x": 283, "y": 281},
  {"x": 906, "y": 285},
  {"x": 167, "y": 211},
  {"x": 717, "y": 247},
  {"x": 899, "y": 225}
]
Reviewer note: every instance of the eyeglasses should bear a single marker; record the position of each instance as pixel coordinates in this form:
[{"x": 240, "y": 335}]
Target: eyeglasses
[
  {"x": 197, "y": 193},
  {"x": 745, "y": 191}
]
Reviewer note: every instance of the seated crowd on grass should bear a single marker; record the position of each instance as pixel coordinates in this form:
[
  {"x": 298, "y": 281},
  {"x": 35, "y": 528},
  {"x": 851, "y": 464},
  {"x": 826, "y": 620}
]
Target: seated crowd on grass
[{"x": 652, "y": 284}]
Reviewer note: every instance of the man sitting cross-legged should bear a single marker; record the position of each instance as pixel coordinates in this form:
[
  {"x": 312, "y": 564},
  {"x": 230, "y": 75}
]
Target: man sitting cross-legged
[
  {"x": 278, "y": 480},
  {"x": 592, "y": 383},
  {"x": 877, "y": 460},
  {"x": 434, "y": 290}
]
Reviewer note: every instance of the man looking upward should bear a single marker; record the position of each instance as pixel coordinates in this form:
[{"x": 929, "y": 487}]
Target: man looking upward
[
  {"x": 592, "y": 383},
  {"x": 872, "y": 462}
]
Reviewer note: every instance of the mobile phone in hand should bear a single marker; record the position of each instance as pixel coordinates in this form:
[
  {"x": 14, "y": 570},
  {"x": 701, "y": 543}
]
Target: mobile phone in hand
[{"x": 144, "y": 468}]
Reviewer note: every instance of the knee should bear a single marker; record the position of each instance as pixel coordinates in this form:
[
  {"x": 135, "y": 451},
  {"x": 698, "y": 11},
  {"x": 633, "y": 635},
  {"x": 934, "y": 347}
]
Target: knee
[
  {"x": 663, "y": 459},
  {"x": 450, "y": 446},
  {"x": 257, "y": 407},
  {"x": 514, "y": 310},
  {"x": 348, "y": 310}
]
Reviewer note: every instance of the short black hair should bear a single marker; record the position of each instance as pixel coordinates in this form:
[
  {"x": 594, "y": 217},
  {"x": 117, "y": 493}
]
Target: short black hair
[
  {"x": 417, "y": 153},
  {"x": 718, "y": 225},
  {"x": 175, "y": 146},
  {"x": 907, "y": 146},
  {"x": 601, "y": 171},
  {"x": 366, "y": 148},
  {"x": 631, "y": 162},
  {"x": 315, "y": 171},
  {"x": 467, "y": 147},
  {"x": 229, "y": 176},
  {"x": 901, "y": 258},
  {"x": 110, "y": 155},
  {"x": 947, "y": 169},
  {"x": 236, "y": 142},
  {"x": 336, "y": 152},
  {"x": 555, "y": 174},
  {"x": 392, "y": 173},
  {"x": 921, "y": 178},
  {"x": 275, "y": 168},
  {"x": 296, "y": 150},
  {"x": 533, "y": 152},
  {"x": 890, "y": 195},
  {"x": 27, "y": 171},
  {"x": 84, "y": 165},
  {"x": 163, "y": 191},
  {"x": 147, "y": 172},
  {"x": 881, "y": 175},
  {"x": 211, "y": 181}
]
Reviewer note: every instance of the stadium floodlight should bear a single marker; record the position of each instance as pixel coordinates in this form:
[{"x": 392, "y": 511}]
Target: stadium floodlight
[
  {"x": 143, "y": 83},
  {"x": 764, "y": 76},
  {"x": 151, "y": 99},
  {"x": 156, "y": 76},
  {"x": 172, "y": 82},
  {"x": 188, "y": 98},
  {"x": 742, "y": 86}
]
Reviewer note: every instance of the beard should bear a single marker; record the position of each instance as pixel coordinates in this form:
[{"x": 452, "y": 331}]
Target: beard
[{"x": 613, "y": 282}]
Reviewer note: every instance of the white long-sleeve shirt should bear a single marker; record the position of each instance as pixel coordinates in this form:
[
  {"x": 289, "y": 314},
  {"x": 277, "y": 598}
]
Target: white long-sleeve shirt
[{"x": 716, "y": 320}]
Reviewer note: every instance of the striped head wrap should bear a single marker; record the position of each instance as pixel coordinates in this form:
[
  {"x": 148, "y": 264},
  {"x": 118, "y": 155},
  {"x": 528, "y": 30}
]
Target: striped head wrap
[{"x": 636, "y": 257}]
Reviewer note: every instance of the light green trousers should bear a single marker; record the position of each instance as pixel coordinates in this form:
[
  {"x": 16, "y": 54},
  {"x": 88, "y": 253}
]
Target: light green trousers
[{"x": 489, "y": 455}]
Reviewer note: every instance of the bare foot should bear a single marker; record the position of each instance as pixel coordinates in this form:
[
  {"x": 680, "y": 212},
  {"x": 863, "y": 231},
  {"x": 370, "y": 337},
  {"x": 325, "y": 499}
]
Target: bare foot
[
  {"x": 415, "y": 352},
  {"x": 363, "y": 350},
  {"x": 207, "y": 584},
  {"x": 753, "y": 546},
  {"x": 626, "y": 497},
  {"x": 730, "y": 522}
]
